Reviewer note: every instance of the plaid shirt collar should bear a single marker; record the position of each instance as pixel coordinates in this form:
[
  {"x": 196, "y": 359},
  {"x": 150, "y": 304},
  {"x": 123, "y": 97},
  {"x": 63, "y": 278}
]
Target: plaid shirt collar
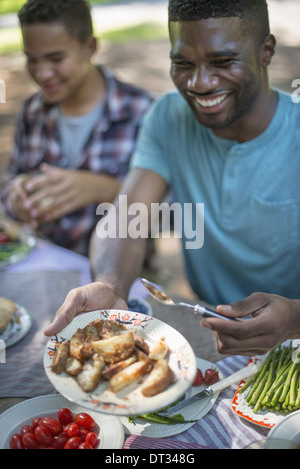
[{"x": 116, "y": 106}]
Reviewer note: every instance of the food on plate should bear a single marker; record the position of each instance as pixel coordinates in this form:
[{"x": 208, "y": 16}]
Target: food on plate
[
  {"x": 66, "y": 431},
  {"x": 129, "y": 375},
  {"x": 61, "y": 357},
  {"x": 199, "y": 378},
  {"x": 106, "y": 350},
  {"x": 160, "y": 350},
  {"x": 115, "y": 348},
  {"x": 8, "y": 233},
  {"x": 211, "y": 376},
  {"x": 90, "y": 375},
  {"x": 276, "y": 385},
  {"x": 160, "y": 377},
  {"x": 7, "y": 310}
]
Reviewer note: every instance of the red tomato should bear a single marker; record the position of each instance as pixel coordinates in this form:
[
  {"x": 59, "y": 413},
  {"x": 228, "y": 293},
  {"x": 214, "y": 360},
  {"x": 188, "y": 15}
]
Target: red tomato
[
  {"x": 72, "y": 429},
  {"x": 85, "y": 446},
  {"x": 83, "y": 432},
  {"x": 60, "y": 440},
  {"x": 92, "y": 439},
  {"x": 35, "y": 422},
  {"x": 54, "y": 425},
  {"x": 85, "y": 420},
  {"x": 43, "y": 435},
  {"x": 30, "y": 441},
  {"x": 26, "y": 429},
  {"x": 16, "y": 441},
  {"x": 211, "y": 376},
  {"x": 73, "y": 442},
  {"x": 65, "y": 416},
  {"x": 198, "y": 379}
]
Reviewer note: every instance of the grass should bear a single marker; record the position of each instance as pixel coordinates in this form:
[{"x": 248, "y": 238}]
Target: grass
[
  {"x": 11, "y": 38},
  {"x": 12, "y": 6},
  {"x": 140, "y": 32}
]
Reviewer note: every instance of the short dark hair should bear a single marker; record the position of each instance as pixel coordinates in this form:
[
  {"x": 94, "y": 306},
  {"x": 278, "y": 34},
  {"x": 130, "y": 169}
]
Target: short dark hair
[
  {"x": 253, "y": 14},
  {"x": 74, "y": 14}
]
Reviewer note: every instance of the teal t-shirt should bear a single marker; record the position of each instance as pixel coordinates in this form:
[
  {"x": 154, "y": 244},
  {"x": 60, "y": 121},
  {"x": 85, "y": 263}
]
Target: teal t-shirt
[{"x": 250, "y": 192}]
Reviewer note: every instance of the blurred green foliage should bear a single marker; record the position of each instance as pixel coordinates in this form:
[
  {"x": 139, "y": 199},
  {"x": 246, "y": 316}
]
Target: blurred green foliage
[
  {"x": 12, "y": 6},
  {"x": 11, "y": 38}
]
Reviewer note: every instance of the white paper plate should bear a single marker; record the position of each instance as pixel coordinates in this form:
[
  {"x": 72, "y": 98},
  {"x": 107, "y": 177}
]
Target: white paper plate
[
  {"x": 194, "y": 411},
  {"x": 288, "y": 429},
  {"x": 130, "y": 400},
  {"x": 18, "y": 327},
  {"x": 111, "y": 432}
]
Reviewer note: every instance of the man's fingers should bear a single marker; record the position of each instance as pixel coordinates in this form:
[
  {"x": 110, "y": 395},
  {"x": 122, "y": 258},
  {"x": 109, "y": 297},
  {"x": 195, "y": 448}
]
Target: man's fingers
[{"x": 73, "y": 305}]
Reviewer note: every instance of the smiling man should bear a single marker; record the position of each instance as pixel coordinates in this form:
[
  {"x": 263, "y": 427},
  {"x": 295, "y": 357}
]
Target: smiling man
[{"x": 228, "y": 140}]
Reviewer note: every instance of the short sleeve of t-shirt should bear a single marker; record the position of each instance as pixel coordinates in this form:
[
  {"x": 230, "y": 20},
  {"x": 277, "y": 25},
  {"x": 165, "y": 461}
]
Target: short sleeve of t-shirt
[{"x": 152, "y": 148}]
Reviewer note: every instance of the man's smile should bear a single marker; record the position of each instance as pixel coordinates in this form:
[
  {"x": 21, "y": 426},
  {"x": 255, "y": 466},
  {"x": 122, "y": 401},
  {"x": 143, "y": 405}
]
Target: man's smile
[{"x": 211, "y": 103}]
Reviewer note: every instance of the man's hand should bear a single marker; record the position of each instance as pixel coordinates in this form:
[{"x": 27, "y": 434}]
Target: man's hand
[
  {"x": 19, "y": 199},
  {"x": 56, "y": 192},
  {"x": 272, "y": 320},
  {"x": 91, "y": 297}
]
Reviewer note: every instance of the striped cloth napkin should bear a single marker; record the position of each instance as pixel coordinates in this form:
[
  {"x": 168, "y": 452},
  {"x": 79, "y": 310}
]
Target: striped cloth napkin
[{"x": 144, "y": 442}]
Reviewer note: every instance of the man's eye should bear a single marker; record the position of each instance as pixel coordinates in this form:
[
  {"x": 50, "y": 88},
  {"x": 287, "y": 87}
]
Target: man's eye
[
  {"x": 181, "y": 64},
  {"x": 56, "y": 59},
  {"x": 30, "y": 60},
  {"x": 223, "y": 62}
]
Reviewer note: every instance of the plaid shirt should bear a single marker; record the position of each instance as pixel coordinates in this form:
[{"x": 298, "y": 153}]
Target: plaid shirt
[{"x": 108, "y": 151}]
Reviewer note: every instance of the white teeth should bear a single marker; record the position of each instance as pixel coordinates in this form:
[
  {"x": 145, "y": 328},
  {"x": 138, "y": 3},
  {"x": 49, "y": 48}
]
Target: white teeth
[{"x": 211, "y": 102}]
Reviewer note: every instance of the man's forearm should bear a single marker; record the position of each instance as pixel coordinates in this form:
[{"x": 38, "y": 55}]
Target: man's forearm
[{"x": 117, "y": 261}]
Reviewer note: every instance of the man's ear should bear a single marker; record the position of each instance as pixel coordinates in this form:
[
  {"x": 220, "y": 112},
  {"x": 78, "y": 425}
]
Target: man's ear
[
  {"x": 91, "y": 46},
  {"x": 267, "y": 50}
]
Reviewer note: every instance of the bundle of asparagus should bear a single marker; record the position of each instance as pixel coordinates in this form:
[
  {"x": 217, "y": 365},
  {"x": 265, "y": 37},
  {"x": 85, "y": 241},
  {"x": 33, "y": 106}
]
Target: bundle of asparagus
[{"x": 276, "y": 385}]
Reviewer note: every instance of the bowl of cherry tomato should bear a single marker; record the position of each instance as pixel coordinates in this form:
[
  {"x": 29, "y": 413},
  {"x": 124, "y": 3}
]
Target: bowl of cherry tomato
[
  {"x": 63, "y": 430},
  {"x": 51, "y": 422}
]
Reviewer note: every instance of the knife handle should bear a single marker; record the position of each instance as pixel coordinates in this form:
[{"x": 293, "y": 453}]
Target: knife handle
[{"x": 234, "y": 378}]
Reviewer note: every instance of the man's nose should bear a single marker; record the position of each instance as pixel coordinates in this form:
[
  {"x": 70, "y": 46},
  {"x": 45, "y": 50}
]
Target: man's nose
[
  {"x": 43, "y": 72},
  {"x": 202, "y": 80}
]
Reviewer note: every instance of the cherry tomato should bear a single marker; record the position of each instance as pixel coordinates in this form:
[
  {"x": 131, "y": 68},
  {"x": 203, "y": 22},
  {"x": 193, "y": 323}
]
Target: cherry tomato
[
  {"x": 83, "y": 432},
  {"x": 35, "y": 422},
  {"x": 30, "y": 441},
  {"x": 43, "y": 435},
  {"x": 54, "y": 425},
  {"x": 73, "y": 442},
  {"x": 26, "y": 429},
  {"x": 72, "y": 429},
  {"x": 198, "y": 379},
  {"x": 92, "y": 439},
  {"x": 84, "y": 446},
  {"x": 16, "y": 441},
  {"x": 60, "y": 440},
  {"x": 85, "y": 420},
  {"x": 65, "y": 416},
  {"x": 211, "y": 376}
]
